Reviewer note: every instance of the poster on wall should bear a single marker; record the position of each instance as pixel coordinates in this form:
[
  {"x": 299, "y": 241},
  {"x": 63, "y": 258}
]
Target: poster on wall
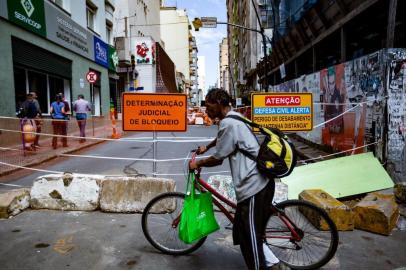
[
  {"x": 144, "y": 50},
  {"x": 62, "y": 30},
  {"x": 28, "y": 14}
]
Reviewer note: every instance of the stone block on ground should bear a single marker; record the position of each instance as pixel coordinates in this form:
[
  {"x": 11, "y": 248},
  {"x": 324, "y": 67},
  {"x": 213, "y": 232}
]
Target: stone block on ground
[
  {"x": 66, "y": 192},
  {"x": 131, "y": 194},
  {"x": 377, "y": 213},
  {"x": 340, "y": 213},
  {"x": 400, "y": 192},
  {"x": 12, "y": 202}
]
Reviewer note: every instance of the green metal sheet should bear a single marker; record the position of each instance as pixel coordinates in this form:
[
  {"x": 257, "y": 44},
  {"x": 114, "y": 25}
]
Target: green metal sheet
[{"x": 340, "y": 177}]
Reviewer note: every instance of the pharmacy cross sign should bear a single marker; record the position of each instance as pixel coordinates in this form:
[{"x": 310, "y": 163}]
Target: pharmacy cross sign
[{"x": 91, "y": 77}]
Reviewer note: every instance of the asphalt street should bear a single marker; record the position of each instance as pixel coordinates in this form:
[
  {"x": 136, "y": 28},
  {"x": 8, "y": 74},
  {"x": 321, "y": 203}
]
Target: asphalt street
[
  {"x": 177, "y": 148},
  {"x": 94, "y": 240}
]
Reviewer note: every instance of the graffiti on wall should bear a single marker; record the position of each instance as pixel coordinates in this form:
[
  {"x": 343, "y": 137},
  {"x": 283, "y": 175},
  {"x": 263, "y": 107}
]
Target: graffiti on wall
[
  {"x": 396, "y": 84},
  {"x": 359, "y": 90}
]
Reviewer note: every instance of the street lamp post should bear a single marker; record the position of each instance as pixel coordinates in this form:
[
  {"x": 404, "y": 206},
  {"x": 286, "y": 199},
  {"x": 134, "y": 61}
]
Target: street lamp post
[{"x": 211, "y": 22}]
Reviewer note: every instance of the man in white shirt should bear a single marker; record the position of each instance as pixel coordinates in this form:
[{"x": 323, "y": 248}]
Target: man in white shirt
[{"x": 81, "y": 107}]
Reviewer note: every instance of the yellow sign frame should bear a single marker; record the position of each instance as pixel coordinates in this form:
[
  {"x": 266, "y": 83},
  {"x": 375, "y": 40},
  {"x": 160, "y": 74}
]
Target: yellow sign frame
[{"x": 285, "y": 111}]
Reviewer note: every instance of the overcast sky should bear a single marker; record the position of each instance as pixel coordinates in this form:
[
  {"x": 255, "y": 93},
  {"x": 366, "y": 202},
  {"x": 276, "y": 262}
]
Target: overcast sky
[{"x": 207, "y": 39}]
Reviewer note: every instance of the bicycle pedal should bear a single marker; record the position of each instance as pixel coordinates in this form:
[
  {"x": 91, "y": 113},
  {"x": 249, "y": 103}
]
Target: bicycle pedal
[{"x": 229, "y": 226}]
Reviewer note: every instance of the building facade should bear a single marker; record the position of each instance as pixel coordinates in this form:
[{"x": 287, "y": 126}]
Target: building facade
[
  {"x": 144, "y": 66},
  {"x": 224, "y": 75},
  {"x": 48, "y": 47},
  {"x": 201, "y": 63},
  {"x": 244, "y": 46},
  {"x": 175, "y": 34}
]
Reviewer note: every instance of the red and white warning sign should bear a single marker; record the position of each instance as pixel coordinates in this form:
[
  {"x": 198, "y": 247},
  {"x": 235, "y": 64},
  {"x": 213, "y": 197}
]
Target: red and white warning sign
[{"x": 91, "y": 77}]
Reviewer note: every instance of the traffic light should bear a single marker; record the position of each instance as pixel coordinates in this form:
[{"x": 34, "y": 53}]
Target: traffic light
[
  {"x": 133, "y": 61},
  {"x": 197, "y": 23}
]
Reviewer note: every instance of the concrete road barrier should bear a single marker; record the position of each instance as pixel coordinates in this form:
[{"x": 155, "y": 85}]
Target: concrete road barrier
[
  {"x": 66, "y": 192},
  {"x": 131, "y": 194},
  {"x": 377, "y": 213},
  {"x": 13, "y": 202},
  {"x": 340, "y": 213}
]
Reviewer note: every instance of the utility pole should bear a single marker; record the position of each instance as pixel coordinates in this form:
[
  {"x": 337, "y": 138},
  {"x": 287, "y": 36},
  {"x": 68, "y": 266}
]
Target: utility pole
[{"x": 262, "y": 31}]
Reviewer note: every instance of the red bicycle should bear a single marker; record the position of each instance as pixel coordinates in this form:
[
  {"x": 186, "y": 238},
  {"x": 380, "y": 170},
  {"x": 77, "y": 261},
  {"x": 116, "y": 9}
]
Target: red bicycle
[{"x": 299, "y": 233}]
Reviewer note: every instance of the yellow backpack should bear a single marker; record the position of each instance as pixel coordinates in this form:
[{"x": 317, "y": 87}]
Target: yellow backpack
[{"x": 277, "y": 155}]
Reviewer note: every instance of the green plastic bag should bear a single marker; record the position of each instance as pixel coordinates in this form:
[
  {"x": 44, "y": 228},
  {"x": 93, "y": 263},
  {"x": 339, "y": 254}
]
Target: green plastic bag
[{"x": 197, "y": 219}]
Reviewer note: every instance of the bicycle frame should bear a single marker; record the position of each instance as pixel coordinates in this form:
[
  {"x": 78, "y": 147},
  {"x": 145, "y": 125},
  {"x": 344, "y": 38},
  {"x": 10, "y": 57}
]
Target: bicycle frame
[{"x": 217, "y": 197}]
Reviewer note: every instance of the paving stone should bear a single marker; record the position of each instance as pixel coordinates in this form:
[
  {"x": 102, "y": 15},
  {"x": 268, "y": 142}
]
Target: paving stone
[
  {"x": 377, "y": 213},
  {"x": 400, "y": 192},
  {"x": 12, "y": 202},
  {"x": 131, "y": 194},
  {"x": 340, "y": 213}
]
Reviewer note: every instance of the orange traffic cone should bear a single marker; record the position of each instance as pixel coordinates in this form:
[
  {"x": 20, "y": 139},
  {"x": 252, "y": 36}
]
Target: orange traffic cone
[{"x": 115, "y": 134}]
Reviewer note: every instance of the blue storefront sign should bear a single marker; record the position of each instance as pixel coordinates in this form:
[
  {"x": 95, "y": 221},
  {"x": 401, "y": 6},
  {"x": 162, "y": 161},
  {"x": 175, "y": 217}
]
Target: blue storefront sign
[{"x": 101, "y": 52}]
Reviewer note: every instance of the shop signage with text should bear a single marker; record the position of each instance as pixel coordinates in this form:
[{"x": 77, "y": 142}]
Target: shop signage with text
[
  {"x": 286, "y": 111},
  {"x": 154, "y": 112},
  {"x": 29, "y": 14}
]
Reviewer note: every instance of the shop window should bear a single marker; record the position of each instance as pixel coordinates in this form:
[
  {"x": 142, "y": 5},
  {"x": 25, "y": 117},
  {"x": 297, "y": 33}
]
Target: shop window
[
  {"x": 55, "y": 87},
  {"x": 37, "y": 82},
  {"x": 109, "y": 34},
  {"x": 20, "y": 85},
  {"x": 90, "y": 16}
]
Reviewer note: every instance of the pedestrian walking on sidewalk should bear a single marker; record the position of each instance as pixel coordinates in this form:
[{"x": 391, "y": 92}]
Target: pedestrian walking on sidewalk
[
  {"x": 58, "y": 124},
  {"x": 38, "y": 121},
  {"x": 30, "y": 111},
  {"x": 253, "y": 189},
  {"x": 81, "y": 107}
]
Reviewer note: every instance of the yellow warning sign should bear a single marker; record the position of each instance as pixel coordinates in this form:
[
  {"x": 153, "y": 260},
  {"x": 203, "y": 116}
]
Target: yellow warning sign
[{"x": 285, "y": 111}]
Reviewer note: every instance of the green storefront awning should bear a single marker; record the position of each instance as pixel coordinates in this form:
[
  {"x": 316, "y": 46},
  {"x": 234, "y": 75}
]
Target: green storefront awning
[{"x": 340, "y": 177}]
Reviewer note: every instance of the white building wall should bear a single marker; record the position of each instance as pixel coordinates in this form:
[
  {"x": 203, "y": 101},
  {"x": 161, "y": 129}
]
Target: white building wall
[
  {"x": 77, "y": 9},
  {"x": 201, "y": 63},
  {"x": 175, "y": 35},
  {"x": 142, "y": 18}
]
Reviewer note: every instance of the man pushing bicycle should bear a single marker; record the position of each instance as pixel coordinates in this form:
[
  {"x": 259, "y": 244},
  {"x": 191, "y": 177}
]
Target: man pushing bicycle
[{"x": 254, "y": 191}]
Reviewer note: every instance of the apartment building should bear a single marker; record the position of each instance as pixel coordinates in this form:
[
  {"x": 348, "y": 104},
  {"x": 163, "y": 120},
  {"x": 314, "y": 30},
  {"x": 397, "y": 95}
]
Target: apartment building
[{"x": 49, "y": 46}]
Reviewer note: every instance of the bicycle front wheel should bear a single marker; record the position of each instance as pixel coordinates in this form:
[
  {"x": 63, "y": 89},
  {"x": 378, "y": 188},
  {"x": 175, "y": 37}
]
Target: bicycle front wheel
[
  {"x": 302, "y": 235},
  {"x": 160, "y": 224}
]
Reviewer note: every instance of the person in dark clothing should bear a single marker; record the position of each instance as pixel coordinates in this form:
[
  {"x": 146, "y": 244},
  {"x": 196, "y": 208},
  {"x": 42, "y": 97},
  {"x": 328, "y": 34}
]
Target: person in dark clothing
[
  {"x": 38, "y": 121},
  {"x": 30, "y": 111},
  {"x": 254, "y": 191}
]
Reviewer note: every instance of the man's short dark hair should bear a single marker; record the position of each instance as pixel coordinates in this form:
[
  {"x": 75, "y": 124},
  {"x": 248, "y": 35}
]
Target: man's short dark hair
[
  {"x": 81, "y": 96},
  {"x": 219, "y": 96}
]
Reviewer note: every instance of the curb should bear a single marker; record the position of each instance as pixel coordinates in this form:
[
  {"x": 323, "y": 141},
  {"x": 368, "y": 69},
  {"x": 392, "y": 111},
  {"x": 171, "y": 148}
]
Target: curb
[{"x": 45, "y": 159}]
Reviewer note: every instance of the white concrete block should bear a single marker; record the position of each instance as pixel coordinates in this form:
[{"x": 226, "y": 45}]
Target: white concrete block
[{"x": 66, "y": 192}]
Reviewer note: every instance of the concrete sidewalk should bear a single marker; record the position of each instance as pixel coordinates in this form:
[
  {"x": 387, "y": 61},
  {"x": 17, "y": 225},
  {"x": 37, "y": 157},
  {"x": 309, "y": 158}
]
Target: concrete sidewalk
[
  {"x": 45, "y": 152},
  {"x": 49, "y": 240}
]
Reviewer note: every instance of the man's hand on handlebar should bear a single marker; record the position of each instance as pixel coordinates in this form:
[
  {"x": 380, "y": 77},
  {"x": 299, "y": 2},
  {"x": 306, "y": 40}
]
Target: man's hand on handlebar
[
  {"x": 193, "y": 165},
  {"x": 201, "y": 150}
]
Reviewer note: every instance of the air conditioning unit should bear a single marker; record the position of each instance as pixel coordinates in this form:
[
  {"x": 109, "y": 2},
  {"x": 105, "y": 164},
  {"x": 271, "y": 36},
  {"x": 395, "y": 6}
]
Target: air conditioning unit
[{"x": 123, "y": 48}]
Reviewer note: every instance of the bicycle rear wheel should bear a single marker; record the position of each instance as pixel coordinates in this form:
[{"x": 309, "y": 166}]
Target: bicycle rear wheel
[
  {"x": 316, "y": 241},
  {"x": 160, "y": 221}
]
